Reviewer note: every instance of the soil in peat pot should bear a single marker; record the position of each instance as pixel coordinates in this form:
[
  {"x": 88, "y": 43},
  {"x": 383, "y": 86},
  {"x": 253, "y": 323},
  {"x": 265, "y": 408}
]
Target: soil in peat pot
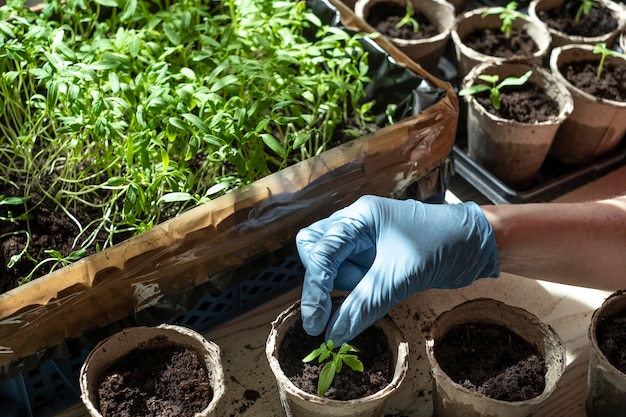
[
  {"x": 157, "y": 379},
  {"x": 385, "y": 16},
  {"x": 526, "y": 104},
  {"x": 610, "y": 86},
  {"x": 493, "y": 42},
  {"x": 611, "y": 337},
  {"x": 597, "y": 22},
  {"x": 493, "y": 360},
  {"x": 373, "y": 352}
]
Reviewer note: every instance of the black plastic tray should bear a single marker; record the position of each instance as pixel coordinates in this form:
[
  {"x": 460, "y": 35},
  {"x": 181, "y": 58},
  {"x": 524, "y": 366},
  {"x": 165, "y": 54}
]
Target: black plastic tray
[{"x": 554, "y": 178}]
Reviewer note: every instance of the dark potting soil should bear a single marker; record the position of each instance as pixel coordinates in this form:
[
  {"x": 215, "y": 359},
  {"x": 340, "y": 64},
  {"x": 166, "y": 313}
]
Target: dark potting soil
[
  {"x": 373, "y": 352},
  {"x": 611, "y": 337},
  {"x": 493, "y": 42},
  {"x": 610, "y": 86},
  {"x": 155, "y": 382},
  {"x": 527, "y": 104},
  {"x": 384, "y": 17},
  {"x": 492, "y": 360},
  {"x": 597, "y": 22}
]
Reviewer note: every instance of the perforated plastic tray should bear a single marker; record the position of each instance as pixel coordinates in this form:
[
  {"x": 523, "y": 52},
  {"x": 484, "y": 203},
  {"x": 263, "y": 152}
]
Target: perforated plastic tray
[{"x": 53, "y": 386}]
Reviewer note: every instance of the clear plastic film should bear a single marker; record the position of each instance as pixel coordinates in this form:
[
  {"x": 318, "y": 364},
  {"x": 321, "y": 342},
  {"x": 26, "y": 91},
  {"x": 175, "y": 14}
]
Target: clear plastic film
[{"x": 205, "y": 245}]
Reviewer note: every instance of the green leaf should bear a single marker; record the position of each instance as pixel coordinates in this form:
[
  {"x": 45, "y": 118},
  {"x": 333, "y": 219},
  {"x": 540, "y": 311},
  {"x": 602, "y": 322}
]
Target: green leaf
[
  {"x": 174, "y": 198},
  {"x": 107, "y": 3},
  {"x": 197, "y": 122},
  {"x": 326, "y": 378},
  {"x": 317, "y": 352},
  {"x": 223, "y": 82},
  {"x": 13, "y": 201},
  {"x": 474, "y": 89},
  {"x": 515, "y": 81},
  {"x": 353, "y": 362},
  {"x": 171, "y": 34},
  {"x": 274, "y": 144}
]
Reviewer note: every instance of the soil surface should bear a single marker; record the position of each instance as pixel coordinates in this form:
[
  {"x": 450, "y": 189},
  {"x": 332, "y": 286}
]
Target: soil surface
[
  {"x": 160, "y": 381},
  {"x": 526, "y": 104},
  {"x": 348, "y": 384},
  {"x": 493, "y": 42},
  {"x": 385, "y": 16},
  {"x": 610, "y": 86},
  {"x": 611, "y": 336},
  {"x": 597, "y": 22},
  {"x": 492, "y": 360}
]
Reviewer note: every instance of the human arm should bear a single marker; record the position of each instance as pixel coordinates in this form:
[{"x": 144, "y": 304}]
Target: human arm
[
  {"x": 581, "y": 244},
  {"x": 421, "y": 246}
]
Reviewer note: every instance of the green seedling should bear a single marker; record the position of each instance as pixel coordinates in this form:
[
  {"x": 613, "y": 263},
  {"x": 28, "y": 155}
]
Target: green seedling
[
  {"x": 408, "y": 18},
  {"x": 584, "y": 9},
  {"x": 507, "y": 14},
  {"x": 494, "y": 87},
  {"x": 600, "y": 48},
  {"x": 337, "y": 359}
]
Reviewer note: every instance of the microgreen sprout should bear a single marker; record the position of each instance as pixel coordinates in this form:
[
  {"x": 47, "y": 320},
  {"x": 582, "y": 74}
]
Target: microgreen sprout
[
  {"x": 584, "y": 9},
  {"x": 507, "y": 14},
  {"x": 600, "y": 48},
  {"x": 494, "y": 87},
  {"x": 337, "y": 359},
  {"x": 144, "y": 109},
  {"x": 409, "y": 19}
]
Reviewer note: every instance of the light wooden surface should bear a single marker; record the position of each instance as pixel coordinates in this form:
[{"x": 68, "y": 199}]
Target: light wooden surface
[{"x": 251, "y": 389}]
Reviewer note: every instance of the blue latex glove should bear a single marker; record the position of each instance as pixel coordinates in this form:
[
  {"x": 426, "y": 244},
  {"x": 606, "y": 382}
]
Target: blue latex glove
[{"x": 383, "y": 250}]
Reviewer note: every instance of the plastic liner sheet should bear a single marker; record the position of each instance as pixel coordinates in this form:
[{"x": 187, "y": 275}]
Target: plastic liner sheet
[{"x": 47, "y": 316}]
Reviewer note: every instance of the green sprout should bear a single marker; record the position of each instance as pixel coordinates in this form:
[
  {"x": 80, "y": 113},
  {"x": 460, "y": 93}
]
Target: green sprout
[
  {"x": 494, "y": 88},
  {"x": 600, "y": 48},
  {"x": 507, "y": 14},
  {"x": 584, "y": 9},
  {"x": 408, "y": 18},
  {"x": 325, "y": 351}
]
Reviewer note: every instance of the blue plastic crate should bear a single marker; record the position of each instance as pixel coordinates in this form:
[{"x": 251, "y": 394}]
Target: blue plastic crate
[{"x": 53, "y": 386}]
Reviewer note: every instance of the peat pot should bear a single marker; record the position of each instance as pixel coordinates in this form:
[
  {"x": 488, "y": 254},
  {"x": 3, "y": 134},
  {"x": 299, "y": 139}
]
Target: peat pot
[
  {"x": 113, "y": 349},
  {"x": 473, "y": 20},
  {"x": 453, "y": 399},
  {"x": 606, "y": 382},
  {"x": 299, "y": 403},
  {"x": 511, "y": 150},
  {"x": 596, "y": 125},
  {"x": 427, "y": 51},
  {"x": 535, "y": 7}
]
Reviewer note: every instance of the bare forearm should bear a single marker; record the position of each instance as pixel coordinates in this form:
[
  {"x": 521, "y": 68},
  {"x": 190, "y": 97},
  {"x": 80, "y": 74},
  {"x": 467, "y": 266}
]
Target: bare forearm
[{"x": 572, "y": 243}]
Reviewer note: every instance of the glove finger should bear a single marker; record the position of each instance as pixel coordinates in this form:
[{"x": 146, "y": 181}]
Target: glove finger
[
  {"x": 323, "y": 259},
  {"x": 362, "y": 307}
]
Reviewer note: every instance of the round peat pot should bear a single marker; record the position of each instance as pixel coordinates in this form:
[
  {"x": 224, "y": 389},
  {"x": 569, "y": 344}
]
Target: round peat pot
[
  {"x": 299, "y": 403},
  {"x": 472, "y": 20},
  {"x": 428, "y": 50},
  {"x": 606, "y": 383},
  {"x": 453, "y": 399},
  {"x": 560, "y": 38},
  {"x": 110, "y": 351},
  {"x": 511, "y": 150},
  {"x": 596, "y": 125}
]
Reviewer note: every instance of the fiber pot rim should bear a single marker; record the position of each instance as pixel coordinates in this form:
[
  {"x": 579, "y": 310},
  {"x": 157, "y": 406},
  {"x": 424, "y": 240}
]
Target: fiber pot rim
[
  {"x": 607, "y": 309},
  {"x": 444, "y": 29},
  {"x": 293, "y": 313},
  {"x": 614, "y": 7},
  {"x": 526, "y": 22},
  {"x": 527, "y": 316},
  {"x": 551, "y": 81},
  {"x": 586, "y": 53},
  {"x": 197, "y": 342}
]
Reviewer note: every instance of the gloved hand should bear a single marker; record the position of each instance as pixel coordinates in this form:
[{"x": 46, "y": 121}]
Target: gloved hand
[{"x": 383, "y": 250}]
